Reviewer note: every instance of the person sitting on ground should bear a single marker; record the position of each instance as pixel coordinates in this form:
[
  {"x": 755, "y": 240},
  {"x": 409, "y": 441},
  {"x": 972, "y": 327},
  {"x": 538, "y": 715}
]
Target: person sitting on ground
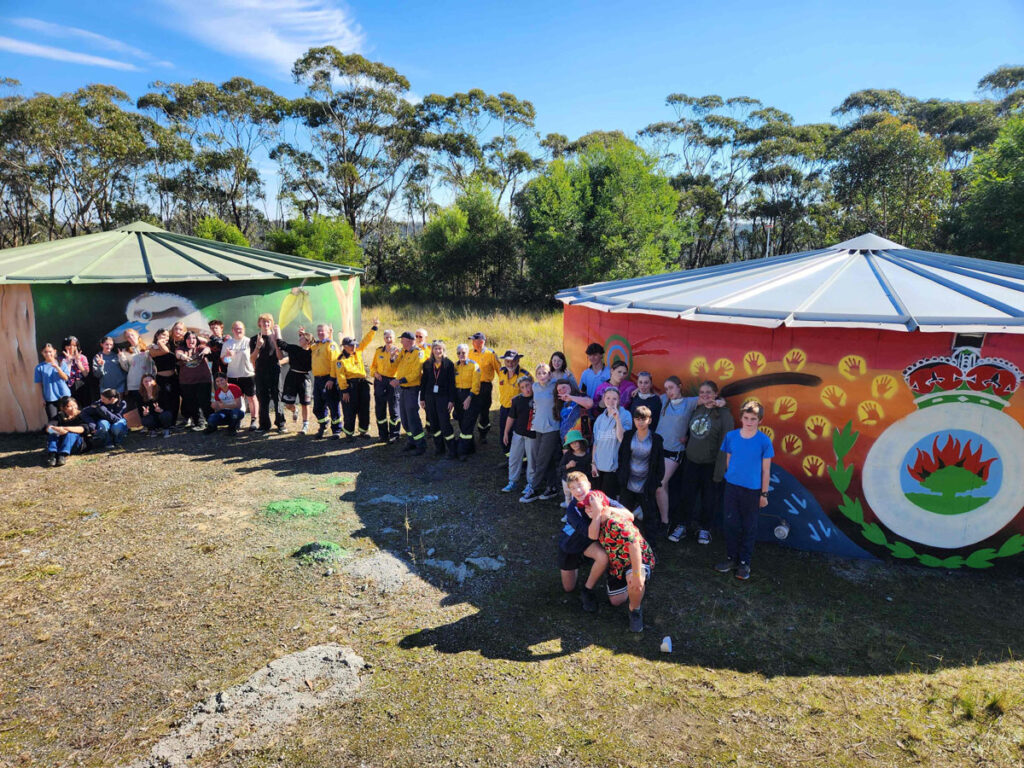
[
  {"x": 748, "y": 456},
  {"x": 518, "y": 434},
  {"x": 298, "y": 382},
  {"x": 71, "y": 434},
  {"x": 152, "y": 415},
  {"x": 107, "y": 417},
  {"x": 52, "y": 377},
  {"x": 641, "y": 469},
  {"x": 226, "y": 405},
  {"x": 630, "y": 558},
  {"x": 575, "y": 459}
]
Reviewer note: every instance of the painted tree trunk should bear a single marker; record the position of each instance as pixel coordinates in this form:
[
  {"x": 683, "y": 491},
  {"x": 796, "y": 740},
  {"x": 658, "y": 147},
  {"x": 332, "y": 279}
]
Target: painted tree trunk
[{"x": 21, "y": 404}]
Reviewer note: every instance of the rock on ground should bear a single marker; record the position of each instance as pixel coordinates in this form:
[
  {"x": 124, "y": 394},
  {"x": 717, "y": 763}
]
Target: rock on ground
[
  {"x": 270, "y": 699},
  {"x": 388, "y": 572}
]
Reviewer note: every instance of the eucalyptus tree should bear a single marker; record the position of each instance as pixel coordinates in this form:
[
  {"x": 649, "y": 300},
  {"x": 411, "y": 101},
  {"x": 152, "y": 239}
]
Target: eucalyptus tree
[{"x": 208, "y": 161}]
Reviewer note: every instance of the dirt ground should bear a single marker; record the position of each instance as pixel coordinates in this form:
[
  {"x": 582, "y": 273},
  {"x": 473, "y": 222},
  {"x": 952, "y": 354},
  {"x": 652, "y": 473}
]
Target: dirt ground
[{"x": 136, "y": 583}]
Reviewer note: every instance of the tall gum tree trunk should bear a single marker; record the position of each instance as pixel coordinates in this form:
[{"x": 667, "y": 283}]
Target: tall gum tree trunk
[{"x": 21, "y": 405}]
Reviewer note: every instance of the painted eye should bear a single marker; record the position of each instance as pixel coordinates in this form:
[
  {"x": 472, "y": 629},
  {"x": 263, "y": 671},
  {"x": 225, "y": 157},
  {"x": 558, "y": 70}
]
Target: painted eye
[{"x": 146, "y": 314}]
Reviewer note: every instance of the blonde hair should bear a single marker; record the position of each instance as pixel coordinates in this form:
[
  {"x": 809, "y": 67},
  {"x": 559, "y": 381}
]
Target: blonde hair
[
  {"x": 577, "y": 477},
  {"x": 265, "y": 316}
]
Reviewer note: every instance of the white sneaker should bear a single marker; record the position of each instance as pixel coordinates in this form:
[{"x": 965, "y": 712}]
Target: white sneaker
[{"x": 305, "y": 428}]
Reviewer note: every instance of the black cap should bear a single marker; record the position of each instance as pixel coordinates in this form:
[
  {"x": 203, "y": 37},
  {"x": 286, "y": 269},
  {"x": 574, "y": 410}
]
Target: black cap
[
  {"x": 348, "y": 341},
  {"x": 477, "y": 335},
  {"x": 407, "y": 335},
  {"x": 511, "y": 354}
]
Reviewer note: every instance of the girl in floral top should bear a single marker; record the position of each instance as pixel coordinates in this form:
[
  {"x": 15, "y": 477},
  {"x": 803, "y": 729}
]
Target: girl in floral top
[{"x": 630, "y": 558}]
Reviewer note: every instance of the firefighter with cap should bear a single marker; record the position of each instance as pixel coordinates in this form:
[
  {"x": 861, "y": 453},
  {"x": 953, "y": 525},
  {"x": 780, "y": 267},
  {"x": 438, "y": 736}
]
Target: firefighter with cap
[
  {"x": 467, "y": 400},
  {"x": 325, "y": 394},
  {"x": 350, "y": 372},
  {"x": 408, "y": 374},
  {"x": 489, "y": 363},
  {"x": 508, "y": 387},
  {"x": 385, "y": 397},
  {"x": 438, "y": 394}
]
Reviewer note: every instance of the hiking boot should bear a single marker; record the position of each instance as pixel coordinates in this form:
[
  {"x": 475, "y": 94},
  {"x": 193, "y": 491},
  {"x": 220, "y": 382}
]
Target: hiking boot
[
  {"x": 589, "y": 600},
  {"x": 743, "y": 571},
  {"x": 62, "y": 459},
  {"x": 725, "y": 566},
  {"x": 320, "y": 432},
  {"x": 51, "y": 460},
  {"x": 550, "y": 493},
  {"x": 679, "y": 532},
  {"x": 703, "y": 536},
  {"x": 636, "y": 620},
  {"x": 421, "y": 448},
  {"x": 409, "y": 446}
]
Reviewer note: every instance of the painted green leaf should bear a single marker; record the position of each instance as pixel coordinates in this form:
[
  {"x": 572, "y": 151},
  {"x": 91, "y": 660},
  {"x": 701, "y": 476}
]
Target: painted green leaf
[
  {"x": 901, "y": 550},
  {"x": 981, "y": 558},
  {"x": 930, "y": 561},
  {"x": 955, "y": 561},
  {"x": 852, "y": 509},
  {"x": 874, "y": 534},
  {"x": 1012, "y": 546},
  {"x": 841, "y": 477},
  {"x": 843, "y": 440}
]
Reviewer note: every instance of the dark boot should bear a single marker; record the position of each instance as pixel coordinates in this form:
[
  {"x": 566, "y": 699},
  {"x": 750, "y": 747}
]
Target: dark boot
[
  {"x": 420, "y": 446},
  {"x": 453, "y": 452},
  {"x": 439, "y": 446}
]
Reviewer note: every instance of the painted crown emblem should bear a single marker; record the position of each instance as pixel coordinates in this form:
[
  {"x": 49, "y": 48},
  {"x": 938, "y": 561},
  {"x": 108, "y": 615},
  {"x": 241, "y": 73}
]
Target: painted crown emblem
[{"x": 963, "y": 377}]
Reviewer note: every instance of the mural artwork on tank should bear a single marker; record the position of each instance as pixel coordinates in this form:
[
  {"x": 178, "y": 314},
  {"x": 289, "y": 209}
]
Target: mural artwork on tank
[{"x": 887, "y": 444}]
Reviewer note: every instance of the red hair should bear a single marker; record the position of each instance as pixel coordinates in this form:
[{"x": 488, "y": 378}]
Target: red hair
[{"x": 599, "y": 495}]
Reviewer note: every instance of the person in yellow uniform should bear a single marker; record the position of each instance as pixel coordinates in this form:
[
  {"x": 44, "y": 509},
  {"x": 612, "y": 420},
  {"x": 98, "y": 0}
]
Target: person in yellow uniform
[
  {"x": 408, "y": 373},
  {"x": 467, "y": 400},
  {"x": 508, "y": 387},
  {"x": 325, "y": 393},
  {"x": 350, "y": 371},
  {"x": 385, "y": 397},
  {"x": 489, "y": 363}
]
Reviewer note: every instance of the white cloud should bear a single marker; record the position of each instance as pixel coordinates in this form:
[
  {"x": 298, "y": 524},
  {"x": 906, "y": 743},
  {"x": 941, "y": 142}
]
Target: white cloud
[
  {"x": 275, "y": 31},
  {"x": 95, "y": 40},
  {"x": 60, "y": 54}
]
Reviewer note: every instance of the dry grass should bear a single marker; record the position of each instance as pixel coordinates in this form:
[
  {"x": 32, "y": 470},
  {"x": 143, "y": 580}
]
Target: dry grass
[{"x": 134, "y": 583}]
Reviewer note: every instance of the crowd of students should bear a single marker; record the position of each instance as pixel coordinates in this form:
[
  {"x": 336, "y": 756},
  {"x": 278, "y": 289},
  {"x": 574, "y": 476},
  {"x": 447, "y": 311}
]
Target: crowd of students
[{"x": 605, "y": 445}]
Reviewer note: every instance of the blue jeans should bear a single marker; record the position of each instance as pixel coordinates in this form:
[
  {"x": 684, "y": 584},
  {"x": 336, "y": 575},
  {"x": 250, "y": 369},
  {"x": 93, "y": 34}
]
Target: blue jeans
[
  {"x": 234, "y": 418},
  {"x": 67, "y": 444},
  {"x": 110, "y": 434},
  {"x": 742, "y": 506}
]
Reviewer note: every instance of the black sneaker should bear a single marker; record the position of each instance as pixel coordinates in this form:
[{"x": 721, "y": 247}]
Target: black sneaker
[
  {"x": 550, "y": 493},
  {"x": 233, "y": 429},
  {"x": 589, "y": 600},
  {"x": 743, "y": 571},
  {"x": 320, "y": 432},
  {"x": 725, "y": 566},
  {"x": 210, "y": 429},
  {"x": 51, "y": 460},
  {"x": 636, "y": 620},
  {"x": 62, "y": 459}
]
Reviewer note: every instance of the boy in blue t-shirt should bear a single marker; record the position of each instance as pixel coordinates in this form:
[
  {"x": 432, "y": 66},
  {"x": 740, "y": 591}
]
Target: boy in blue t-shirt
[{"x": 748, "y": 456}]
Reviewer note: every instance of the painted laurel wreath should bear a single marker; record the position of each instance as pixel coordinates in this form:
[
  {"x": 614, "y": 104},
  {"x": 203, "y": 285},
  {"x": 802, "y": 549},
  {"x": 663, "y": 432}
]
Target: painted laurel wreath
[{"x": 842, "y": 473}]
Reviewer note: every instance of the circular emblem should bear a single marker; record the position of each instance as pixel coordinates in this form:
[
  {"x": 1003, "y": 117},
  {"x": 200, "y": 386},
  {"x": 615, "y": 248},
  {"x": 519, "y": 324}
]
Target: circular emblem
[{"x": 936, "y": 476}]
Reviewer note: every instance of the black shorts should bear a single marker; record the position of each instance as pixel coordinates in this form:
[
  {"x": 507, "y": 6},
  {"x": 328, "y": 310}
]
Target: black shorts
[
  {"x": 571, "y": 561},
  {"x": 617, "y": 586},
  {"x": 247, "y": 384},
  {"x": 297, "y": 386},
  {"x": 676, "y": 456}
]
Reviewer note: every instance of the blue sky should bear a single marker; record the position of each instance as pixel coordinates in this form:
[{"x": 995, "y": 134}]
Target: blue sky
[{"x": 584, "y": 65}]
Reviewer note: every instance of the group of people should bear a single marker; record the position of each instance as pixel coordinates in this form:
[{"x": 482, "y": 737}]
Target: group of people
[{"x": 606, "y": 444}]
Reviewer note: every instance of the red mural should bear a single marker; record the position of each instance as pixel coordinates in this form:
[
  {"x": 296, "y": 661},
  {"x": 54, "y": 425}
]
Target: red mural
[{"x": 854, "y": 414}]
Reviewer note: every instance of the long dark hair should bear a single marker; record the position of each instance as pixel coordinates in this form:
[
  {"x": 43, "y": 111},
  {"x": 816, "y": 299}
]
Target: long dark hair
[{"x": 565, "y": 362}]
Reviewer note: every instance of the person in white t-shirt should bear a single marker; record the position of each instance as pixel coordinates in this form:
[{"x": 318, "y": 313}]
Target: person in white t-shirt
[{"x": 241, "y": 373}]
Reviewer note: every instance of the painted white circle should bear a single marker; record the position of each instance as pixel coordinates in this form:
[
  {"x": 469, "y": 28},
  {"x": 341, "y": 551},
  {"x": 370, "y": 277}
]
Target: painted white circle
[{"x": 881, "y": 478}]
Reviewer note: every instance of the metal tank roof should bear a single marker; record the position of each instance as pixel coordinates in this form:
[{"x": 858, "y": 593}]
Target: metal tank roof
[
  {"x": 142, "y": 253},
  {"x": 866, "y": 282}
]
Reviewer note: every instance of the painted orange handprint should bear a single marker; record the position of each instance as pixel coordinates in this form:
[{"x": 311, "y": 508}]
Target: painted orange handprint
[
  {"x": 794, "y": 360},
  {"x": 699, "y": 367},
  {"x": 754, "y": 362},
  {"x": 785, "y": 407},
  {"x": 852, "y": 366},
  {"x": 870, "y": 412},
  {"x": 724, "y": 368},
  {"x": 883, "y": 386},
  {"x": 792, "y": 444},
  {"x": 833, "y": 396}
]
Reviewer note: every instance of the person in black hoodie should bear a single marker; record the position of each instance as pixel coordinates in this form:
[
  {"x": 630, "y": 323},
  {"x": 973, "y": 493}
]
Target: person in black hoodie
[
  {"x": 437, "y": 394},
  {"x": 641, "y": 469},
  {"x": 71, "y": 433},
  {"x": 107, "y": 417}
]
